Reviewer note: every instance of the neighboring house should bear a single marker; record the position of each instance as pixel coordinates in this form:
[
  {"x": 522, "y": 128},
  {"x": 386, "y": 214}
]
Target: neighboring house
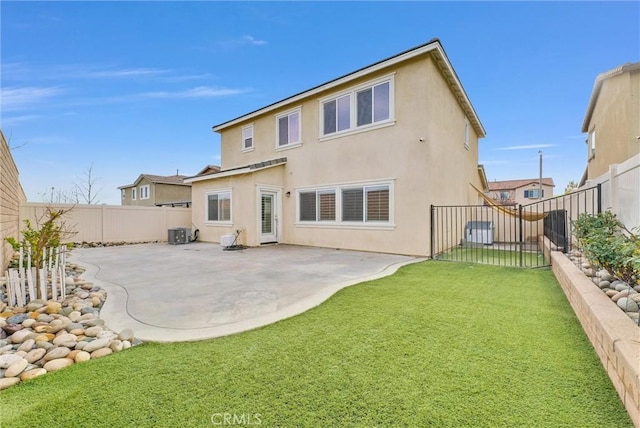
[
  {"x": 158, "y": 190},
  {"x": 522, "y": 192},
  {"x": 612, "y": 121},
  {"x": 354, "y": 163},
  {"x": 209, "y": 169}
]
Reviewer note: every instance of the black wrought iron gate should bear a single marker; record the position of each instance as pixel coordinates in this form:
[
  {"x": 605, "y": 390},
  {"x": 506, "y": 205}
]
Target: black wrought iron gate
[{"x": 521, "y": 235}]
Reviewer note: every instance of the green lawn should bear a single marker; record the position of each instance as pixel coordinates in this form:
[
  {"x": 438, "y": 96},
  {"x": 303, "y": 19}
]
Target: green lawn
[
  {"x": 491, "y": 256},
  {"x": 437, "y": 344}
]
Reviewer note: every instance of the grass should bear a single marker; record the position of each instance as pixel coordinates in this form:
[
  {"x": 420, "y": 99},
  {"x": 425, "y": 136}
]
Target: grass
[
  {"x": 486, "y": 255},
  {"x": 436, "y": 344}
]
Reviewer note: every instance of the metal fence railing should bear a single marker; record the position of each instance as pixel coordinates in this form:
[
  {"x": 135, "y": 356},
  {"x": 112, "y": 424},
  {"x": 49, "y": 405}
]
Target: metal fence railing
[{"x": 518, "y": 235}]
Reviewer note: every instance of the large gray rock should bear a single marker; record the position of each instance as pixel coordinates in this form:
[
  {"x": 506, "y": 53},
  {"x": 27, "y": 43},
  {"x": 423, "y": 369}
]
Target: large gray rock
[
  {"x": 7, "y": 359},
  {"x": 628, "y": 305},
  {"x": 17, "y": 318},
  {"x": 96, "y": 344}
]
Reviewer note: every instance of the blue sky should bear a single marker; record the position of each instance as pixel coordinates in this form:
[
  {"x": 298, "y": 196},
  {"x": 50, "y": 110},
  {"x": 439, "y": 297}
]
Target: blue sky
[{"x": 135, "y": 87}]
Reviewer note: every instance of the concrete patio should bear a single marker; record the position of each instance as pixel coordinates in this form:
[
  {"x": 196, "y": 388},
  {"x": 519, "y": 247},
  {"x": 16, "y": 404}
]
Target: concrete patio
[{"x": 168, "y": 293}]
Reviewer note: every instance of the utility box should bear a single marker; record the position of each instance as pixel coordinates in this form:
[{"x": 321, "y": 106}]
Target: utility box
[
  {"x": 179, "y": 235},
  {"x": 479, "y": 232},
  {"x": 227, "y": 240}
]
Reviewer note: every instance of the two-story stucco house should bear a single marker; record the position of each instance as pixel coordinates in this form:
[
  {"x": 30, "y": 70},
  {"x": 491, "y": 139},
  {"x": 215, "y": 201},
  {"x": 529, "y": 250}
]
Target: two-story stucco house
[
  {"x": 354, "y": 163},
  {"x": 612, "y": 121},
  {"x": 522, "y": 192},
  {"x": 157, "y": 190}
]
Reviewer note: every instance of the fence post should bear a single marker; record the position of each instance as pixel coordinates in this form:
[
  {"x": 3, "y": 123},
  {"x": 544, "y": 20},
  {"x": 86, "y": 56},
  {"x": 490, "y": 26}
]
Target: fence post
[
  {"x": 613, "y": 189},
  {"x": 431, "y": 227},
  {"x": 599, "y": 195},
  {"x": 520, "y": 234}
]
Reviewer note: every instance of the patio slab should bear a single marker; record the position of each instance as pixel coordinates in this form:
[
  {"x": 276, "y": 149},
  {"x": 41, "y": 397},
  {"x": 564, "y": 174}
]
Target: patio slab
[{"x": 195, "y": 291}]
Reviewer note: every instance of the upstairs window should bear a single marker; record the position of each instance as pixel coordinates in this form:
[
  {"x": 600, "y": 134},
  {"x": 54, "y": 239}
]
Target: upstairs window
[
  {"x": 361, "y": 107},
  {"x": 144, "y": 192},
  {"x": 533, "y": 194},
  {"x": 591, "y": 141},
  {"x": 247, "y": 138},
  {"x": 373, "y": 104},
  {"x": 288, "y": 129},
  {"x": 466, "y": 133}
]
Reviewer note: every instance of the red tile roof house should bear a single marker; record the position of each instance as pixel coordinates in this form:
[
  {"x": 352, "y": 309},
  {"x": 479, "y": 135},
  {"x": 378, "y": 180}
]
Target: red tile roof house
[{"x": 524, "y": 191}]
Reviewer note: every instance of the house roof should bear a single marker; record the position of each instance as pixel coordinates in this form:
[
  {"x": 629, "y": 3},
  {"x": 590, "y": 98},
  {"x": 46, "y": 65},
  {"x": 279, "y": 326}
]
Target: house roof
[
  {"x": 159, "y": 179},
  {"x": 246, "y": 169},
  {"x": 209, "y": 169},
  {"x": 432, "y": 47},
  {"x": 516, "y": 184},
  {"x": 597, "y": 86}
]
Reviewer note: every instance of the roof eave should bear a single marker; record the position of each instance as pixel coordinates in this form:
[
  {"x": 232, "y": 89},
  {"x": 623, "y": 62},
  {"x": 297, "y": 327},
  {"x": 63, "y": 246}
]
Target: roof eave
[
  {"x": 597, "y": 86},
  {"x": 432, "y": 46}
]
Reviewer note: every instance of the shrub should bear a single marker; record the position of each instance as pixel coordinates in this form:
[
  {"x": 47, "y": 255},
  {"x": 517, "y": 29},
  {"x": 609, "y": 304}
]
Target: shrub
[
  {"x": 52, "y": 230},
  {"x": 609, "y": 245}
]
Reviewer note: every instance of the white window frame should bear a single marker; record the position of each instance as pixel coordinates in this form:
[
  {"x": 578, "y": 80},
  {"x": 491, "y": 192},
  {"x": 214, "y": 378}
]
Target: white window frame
[
  {"x": 337, "y": 189},
  {"x": 353, "y": 112},
  {"x": 206, "y": 207},
  {"x": 533, "y": 194},
  {"x": 134, "y": 193},
  {"x": 144, "y": 192},
  {"x": 124, "y": 194},
  {"x": 248, "y": 129},
  {"x": 591, "y": 144},
  {"x": 290, "y": 144},
  {"x": 466, "y": 133}
]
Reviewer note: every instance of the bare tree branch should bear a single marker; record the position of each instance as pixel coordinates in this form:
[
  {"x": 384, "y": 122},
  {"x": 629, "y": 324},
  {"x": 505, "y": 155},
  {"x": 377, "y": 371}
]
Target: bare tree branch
[{"x": 86, "y": 189}]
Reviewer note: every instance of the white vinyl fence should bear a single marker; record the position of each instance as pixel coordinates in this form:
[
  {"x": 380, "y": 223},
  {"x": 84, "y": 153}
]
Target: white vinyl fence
[
  {"x": 621, "y": 191},
  {"x": 112, "y": 223}
]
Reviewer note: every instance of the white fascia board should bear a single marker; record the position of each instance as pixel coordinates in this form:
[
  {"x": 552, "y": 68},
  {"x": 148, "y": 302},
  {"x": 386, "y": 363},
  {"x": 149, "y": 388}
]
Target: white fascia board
[
  {"x": 345, "y": 79},
  {"x": 231, "y": 173}
]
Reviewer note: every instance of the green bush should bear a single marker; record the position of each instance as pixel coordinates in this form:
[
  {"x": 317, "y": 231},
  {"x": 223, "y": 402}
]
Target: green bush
[
  {"x": 609, "y": 245},
  {"x": 49, "y": 232}
]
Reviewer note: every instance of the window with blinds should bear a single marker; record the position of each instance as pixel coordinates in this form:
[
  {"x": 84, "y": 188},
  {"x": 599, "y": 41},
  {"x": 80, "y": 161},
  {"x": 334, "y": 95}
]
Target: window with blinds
[
  {"x": 318, "y": 206},
  {"x": 378, "y": 203},
  {"x": 348, "y": 204}
]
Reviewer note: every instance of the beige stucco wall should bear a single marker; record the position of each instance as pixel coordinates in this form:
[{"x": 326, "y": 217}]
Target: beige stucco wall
[
  {"x": 437, "y": 170},
  {"x": 159, "y": 193},
  {"x": 11, "y": 196},
  {"x": 519, "y": 193},
  {"x": 113, "y": 223},
  {"x": 616, "y": 120},
  {"x": 167, "y": 193}
]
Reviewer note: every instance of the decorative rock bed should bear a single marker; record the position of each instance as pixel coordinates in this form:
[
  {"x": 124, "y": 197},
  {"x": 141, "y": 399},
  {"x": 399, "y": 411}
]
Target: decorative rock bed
[
  {"x": 625, "y": 296},
  {"x": 47, "y": 336}
]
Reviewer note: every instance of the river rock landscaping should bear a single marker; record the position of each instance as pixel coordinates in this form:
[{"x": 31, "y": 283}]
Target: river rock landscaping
[
  {"x": 47, "y": 335},
  {"x": 625, "y": 296}
]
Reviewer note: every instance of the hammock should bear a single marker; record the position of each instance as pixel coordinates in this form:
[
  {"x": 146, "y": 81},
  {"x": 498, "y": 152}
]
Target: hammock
[{"x": 509, "y": 210}]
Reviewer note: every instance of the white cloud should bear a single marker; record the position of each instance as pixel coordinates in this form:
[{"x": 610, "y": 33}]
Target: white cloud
[
  {"x": 14, "y": 120},
  {"x": 126, "y": 72},
  {"x": 526, "y": 147},
  {"x": 16, "y": 98},
  {"x": 198, "y": 92},
  {"x": 253, "y": 41},
  {"x": 246, "y": 40}
]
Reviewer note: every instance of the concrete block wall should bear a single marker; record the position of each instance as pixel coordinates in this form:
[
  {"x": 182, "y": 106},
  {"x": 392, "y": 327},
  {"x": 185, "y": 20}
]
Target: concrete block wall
[
  {"x": 614, "y": 336},
  {"x": 11, "y": 197}
]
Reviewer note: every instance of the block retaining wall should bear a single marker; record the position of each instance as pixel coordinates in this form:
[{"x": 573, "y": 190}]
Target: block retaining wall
[{"x": 614, "y": 336}]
